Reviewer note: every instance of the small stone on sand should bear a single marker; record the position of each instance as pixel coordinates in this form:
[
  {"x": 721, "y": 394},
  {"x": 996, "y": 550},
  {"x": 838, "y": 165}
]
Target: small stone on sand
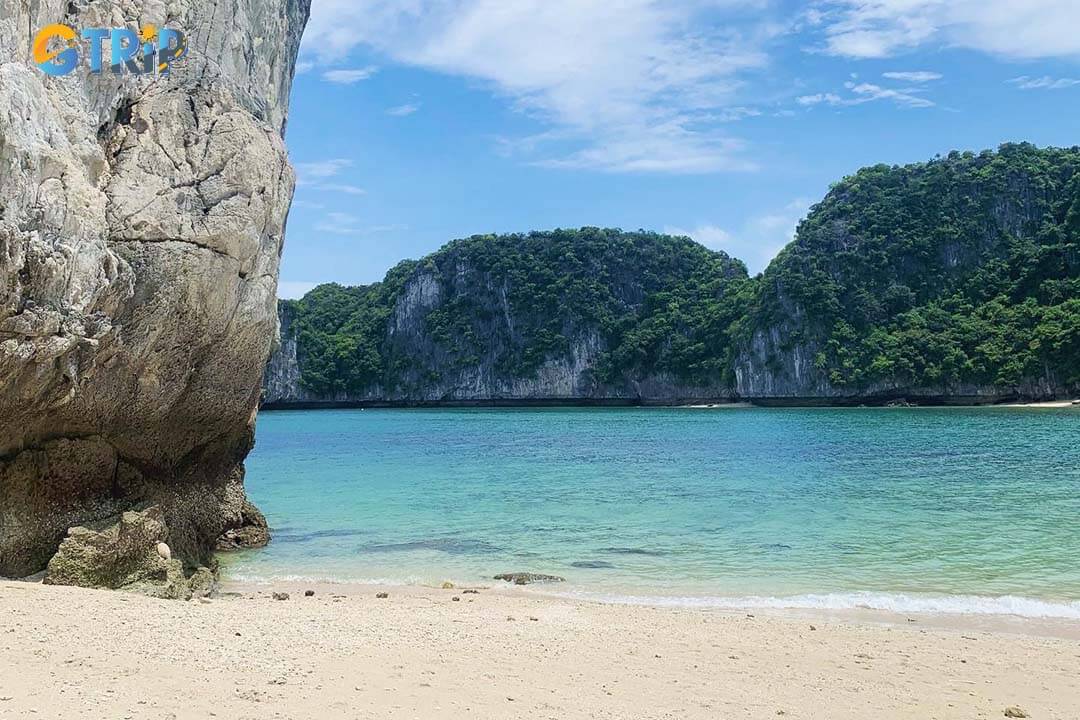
[
  {"x": 456, "y": 599},
  {"x": 309, "y": 593},
  {"x": 281, "y": 596},
  {"x": 382, "y": 595},
  {"x": 448, "y": 585},
  {"x": 1015, "y": 712}
]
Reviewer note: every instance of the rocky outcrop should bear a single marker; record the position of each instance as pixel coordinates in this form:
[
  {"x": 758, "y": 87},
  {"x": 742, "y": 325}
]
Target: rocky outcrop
[
  {"x": 493, "y": 320},
  {"x": 127, "y": 552},
  {"x": 250, "y": 532},
  {"x": 141, "y": 223},
  {"x": 940, "y": 239}
]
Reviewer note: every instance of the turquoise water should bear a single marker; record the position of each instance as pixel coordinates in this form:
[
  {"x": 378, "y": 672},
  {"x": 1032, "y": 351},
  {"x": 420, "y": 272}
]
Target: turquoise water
[{"x": 966, "y": 510}]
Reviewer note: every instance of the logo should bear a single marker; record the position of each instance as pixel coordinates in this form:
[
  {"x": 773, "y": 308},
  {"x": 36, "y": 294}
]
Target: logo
[{"x": 150, "y": 51}]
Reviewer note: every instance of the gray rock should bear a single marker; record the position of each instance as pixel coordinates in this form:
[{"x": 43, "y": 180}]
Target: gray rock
[
  {"x": 281, "y": 596},
  {"x": 122, "y": 554},
  {"x": 526, "y": 578},
  {"x": 251, "y": 532},
  {"x": 141, "y": 223}
]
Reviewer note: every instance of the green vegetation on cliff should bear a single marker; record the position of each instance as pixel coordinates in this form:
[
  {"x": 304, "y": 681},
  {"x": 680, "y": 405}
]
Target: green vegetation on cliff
[
  {"x": 961, "y": 271},
  {"x": 965, "y": 269},
  {"x": 656, "y": 304}
]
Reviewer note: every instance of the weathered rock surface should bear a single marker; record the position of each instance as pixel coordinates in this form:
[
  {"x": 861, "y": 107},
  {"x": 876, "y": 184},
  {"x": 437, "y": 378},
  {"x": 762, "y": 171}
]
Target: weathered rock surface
[
  {"x": 141, "y": 223},
  {"x": 251, "y": 532},
  {"x": 124, "y": 553}
]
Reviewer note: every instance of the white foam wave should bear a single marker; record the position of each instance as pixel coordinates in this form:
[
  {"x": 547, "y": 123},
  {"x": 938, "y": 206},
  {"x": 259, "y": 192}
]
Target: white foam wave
[{"x": 888, "y": 602}]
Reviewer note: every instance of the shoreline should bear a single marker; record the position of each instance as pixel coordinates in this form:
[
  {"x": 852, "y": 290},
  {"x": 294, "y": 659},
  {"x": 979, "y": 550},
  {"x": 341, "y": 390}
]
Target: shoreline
[
  {"x": 503, "y": 653},
  {"x": 690, "y": 404},
  {"x": 995, "y": 622}
]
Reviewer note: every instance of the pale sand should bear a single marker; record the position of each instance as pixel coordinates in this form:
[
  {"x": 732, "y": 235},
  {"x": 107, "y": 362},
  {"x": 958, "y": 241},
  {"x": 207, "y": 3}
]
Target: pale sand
[{"x": 69, "y": 653}]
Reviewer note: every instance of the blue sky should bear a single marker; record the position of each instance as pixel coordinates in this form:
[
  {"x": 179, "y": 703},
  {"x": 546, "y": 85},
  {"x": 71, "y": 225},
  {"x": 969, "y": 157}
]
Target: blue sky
[{"x": 414, "y": 122}]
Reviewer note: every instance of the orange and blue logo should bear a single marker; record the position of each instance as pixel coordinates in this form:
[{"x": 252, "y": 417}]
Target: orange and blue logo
[{"x": 57, "y": 49}]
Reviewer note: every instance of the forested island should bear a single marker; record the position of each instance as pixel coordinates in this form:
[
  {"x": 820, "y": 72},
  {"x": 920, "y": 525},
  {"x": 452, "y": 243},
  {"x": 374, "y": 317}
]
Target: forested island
[{"x": 951, "y": 281}]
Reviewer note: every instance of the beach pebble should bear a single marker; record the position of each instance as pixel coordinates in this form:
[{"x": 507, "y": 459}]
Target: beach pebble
[
  {"x": 281, "y": 596},
  {"x": 813, "y": 627},
  {"x": 470, "y": 592},
  {"x": 1015, "y": 712},
  {"x": 534, "y": 619},
  {"x": 456, "y": 599},
  {"x": 448, "y": 585},
  {"x": 309, "y": 593},
  {"x": 382, "y": 595},
  {"x": 164, "y": 551}
]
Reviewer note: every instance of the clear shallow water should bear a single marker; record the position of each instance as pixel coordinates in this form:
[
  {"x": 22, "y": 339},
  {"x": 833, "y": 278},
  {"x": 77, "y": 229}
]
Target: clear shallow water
[{"x": 951, "y": 510}]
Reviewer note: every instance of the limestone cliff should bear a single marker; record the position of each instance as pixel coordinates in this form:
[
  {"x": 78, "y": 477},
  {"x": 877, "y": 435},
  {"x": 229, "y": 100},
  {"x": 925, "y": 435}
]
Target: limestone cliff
[
  {"x": 953, "y": 281},
  {"x": 565, "y": 316},
  {"x": 141, "y": 223}
]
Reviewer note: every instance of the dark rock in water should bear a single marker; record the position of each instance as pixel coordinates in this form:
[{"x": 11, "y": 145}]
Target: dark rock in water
[
  {"x": 309, "y": 593},
  {"x": 251, "y": 531},
  {"x": 450, "y": 546},
  {"x": 525, "y": 578},
  {"x": 281, "y": 596},
  {"x": 122, "y": 553},
  {"x": 632, "y": 551},
  {"x": 592, "y": 565}
]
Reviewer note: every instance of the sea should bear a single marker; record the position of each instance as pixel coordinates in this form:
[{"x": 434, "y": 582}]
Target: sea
[{"x": 951, "y": 510}]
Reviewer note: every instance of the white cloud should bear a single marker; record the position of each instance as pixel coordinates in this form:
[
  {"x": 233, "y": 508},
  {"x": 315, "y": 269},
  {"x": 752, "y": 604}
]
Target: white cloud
[
  {"x": 308, "y": 205},
  {"x": 304, "y": 66},
  {"x": 868, "y": 92},
  {"x": 629, "y": 85},
  {"x": 339, "y": 223},
  {"x": 819, "y": 98},
  {"x": 1011, "y": 28},
  {"x": 403, "y": 110},
  {"x": 307, "y": 172},
  {"x": 342, "y": 188},
  {"x": 295, "y": 289},
  {"x": 862, "y": 93},
  {"x": 758, "y": 241},
  {"x": 314, "y": 176},
  {"x": 919, "y": 76},
  {"x": 348, "y": 77},
  {"x": 1043, "y": 83}
]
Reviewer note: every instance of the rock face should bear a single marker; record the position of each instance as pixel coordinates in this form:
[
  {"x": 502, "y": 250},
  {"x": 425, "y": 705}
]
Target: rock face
[
  {"x": 542, "y": 317},
  {"x": 141, "y": 223},
  {"x": 127, "y": 552},
  {"x": 927, "y": 283}
]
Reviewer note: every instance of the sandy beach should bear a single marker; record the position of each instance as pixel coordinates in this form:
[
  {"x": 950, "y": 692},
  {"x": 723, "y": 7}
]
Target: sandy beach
[{"x": 507, "y": 653}]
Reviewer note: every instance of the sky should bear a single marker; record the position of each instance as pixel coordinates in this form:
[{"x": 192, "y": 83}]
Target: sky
[{"x": 416, "y": 122}]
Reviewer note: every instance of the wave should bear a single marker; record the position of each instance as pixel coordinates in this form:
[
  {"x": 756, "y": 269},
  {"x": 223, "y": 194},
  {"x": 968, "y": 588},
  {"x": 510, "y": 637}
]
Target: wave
[{"x": 899, "y": 603}]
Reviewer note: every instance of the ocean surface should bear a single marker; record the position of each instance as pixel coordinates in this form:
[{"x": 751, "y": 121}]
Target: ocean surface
[{"x": 936, "y": 510}]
